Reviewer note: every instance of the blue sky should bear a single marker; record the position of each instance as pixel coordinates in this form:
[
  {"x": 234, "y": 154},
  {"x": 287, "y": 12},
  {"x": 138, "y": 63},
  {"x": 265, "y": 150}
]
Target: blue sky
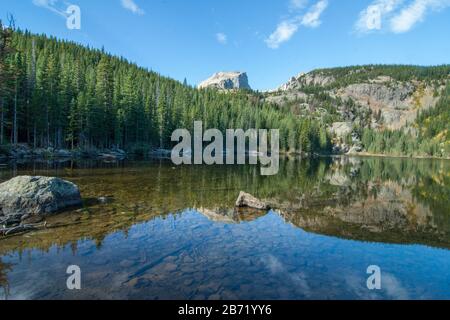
[{"x": 271, "y": 40}]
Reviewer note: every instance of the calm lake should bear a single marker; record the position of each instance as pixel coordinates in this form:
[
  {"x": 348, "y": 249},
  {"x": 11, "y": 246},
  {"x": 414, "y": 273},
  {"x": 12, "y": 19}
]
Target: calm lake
[{"x": 170, "y": 232}]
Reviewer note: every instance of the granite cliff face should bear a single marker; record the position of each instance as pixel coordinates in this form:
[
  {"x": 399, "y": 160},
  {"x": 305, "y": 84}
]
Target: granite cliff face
[
  {"x": 396, "y": 103},
  {"x": 226, "y": 81},
  {"x": 390, "y": 102}
]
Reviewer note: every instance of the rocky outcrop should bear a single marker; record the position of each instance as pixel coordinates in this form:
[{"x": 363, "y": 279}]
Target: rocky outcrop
[
  {"x": 306, "y": 79},
  {"x": 26, "y": 196},
  {"x": 247, "y": 200},
  {"x": 379, "y": 103},
  {"x": 293, "y": 83},
  {"x": 288, "y": 96},
  {"x": 394, "y": 102},
  {"x": 395, "y": 96},
  {"x": 226, "y": 81},
  {"x": 341, "y": 129}
]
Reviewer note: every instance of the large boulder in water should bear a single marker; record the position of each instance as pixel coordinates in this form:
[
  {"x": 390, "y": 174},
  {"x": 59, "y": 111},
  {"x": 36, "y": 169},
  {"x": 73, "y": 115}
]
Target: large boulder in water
[
  {"x": 247, "y": 200},
  {"x": 27, "y": 196}
]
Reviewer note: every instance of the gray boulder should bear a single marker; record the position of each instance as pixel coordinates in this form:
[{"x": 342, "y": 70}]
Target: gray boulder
[
  {"x": 247, "y": 200},
  {"x": 27, "y": 196}
]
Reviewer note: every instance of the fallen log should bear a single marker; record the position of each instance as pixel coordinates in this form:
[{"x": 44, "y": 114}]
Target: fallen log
[
  {"x": 10, "y": 221},
  {"x": 22, "y": 228}
]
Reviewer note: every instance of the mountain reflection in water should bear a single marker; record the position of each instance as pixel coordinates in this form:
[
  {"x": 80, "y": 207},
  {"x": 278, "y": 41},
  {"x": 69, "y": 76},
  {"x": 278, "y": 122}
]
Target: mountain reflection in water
[{"x": 172, "y": 232}]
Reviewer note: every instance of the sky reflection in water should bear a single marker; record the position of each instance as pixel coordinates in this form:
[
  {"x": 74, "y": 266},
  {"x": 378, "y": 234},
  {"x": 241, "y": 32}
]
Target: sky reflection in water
[{"x": 257, "y": 256}]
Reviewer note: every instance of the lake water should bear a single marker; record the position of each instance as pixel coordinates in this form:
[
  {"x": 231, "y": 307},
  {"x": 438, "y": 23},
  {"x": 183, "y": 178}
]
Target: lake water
[{"x": 173, "y": 233}]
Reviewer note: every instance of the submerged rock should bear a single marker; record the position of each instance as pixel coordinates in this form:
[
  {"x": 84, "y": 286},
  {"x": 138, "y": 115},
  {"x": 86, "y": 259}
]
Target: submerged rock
[
  {"x": 105, "y": 200},
  {"x": 27, "y": 196},
  {"x": 247, "y": 200}
]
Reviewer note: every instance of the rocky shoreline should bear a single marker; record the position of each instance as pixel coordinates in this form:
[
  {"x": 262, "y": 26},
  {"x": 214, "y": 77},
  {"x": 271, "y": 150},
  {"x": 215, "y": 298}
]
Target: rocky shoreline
[{"x": 24, "y": 152}]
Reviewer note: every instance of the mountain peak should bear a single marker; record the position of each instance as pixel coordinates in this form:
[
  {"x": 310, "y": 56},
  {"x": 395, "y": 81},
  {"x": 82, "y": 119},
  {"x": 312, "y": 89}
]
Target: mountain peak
[{"x": 233, "y": 80}]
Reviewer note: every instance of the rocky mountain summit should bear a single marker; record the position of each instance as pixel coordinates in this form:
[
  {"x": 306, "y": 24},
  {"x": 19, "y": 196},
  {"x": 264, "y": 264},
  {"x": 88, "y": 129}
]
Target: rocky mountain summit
[{"x": 226, "y": 81}]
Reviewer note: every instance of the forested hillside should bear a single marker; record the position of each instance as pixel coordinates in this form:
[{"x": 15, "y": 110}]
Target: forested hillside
[
  {"x": 62, "y": 95},
  {"x": 378, "y": 109}
]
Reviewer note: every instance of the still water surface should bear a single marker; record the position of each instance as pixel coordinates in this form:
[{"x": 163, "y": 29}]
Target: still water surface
[{"x": 172, "y": 233}]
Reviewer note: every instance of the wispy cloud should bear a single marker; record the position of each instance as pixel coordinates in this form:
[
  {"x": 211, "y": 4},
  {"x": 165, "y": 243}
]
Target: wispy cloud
[
  {"x": 297, "y": 4},
  {"x": 221, "y": 38},
  {"x": 132, "y": 6},
  {"x": 397, "y": 16},
  {"x": 298, "y": 279},
  {"x": 415, "y": 13},
  {"x": 312, "y": 18},
  {"x": 50, "y": 5},
  {"x": 288, "y": 27},
  {"x": 284, "y": 32}
]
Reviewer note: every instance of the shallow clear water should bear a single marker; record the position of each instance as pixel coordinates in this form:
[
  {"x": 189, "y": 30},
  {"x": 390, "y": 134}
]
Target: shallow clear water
[{"x": 172, "y": 233}]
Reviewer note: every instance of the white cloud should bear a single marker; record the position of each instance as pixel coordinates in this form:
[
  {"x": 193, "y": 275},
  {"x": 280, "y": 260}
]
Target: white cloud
[
  {"x": 283, "y": 33},
  {"x": 297, "y": 4},
  {"x": 132, "y": 6},
  {"x": 408, "y": 17},
  {"x": 44, "y": 3},
  {"x": 50, "y": 5},
  {"x": 415, "y": 13},
  {"x": 221, "y": 38},
  {"x": 402, "y": 15},
  {"x": 288, "y": 27},
  {"x": 312, "y": 18},
  {"x": 373, "y": 16}
]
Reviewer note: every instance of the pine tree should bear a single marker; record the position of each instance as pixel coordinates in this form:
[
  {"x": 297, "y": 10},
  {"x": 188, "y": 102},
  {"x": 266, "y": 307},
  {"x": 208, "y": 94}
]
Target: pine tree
[
  {"x": 17, "y": 71},
  {"x": 5, "y": 52},
  {"x": 104, "y": 121}
]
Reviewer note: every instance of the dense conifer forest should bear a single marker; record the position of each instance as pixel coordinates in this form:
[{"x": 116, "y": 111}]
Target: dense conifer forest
[{"x": 62, "y": 95}]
